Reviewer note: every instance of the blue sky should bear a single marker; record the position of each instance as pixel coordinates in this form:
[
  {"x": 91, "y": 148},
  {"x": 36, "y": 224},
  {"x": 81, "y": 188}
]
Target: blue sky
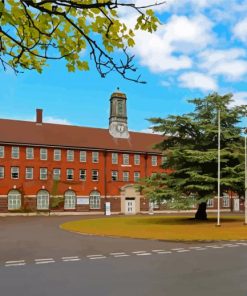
[{"x": 199, "y": 48}]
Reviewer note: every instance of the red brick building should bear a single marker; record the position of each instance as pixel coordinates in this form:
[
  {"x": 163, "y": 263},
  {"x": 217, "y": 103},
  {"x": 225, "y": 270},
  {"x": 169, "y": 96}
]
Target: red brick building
[{"x": 52, "y": 167}]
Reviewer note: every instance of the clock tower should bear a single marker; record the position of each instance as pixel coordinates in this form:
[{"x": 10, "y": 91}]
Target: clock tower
[{"x": 118, "y": 126}]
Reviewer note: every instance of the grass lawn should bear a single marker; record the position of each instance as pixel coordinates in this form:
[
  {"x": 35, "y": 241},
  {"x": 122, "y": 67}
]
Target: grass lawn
[{"x": 162, "y": 227}]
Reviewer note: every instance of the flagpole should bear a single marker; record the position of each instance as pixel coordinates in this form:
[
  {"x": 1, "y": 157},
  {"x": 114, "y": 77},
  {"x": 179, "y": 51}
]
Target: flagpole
[{"x": 218, "y": 206}]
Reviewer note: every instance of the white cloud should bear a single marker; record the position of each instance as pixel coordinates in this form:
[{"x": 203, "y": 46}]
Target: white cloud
[
  {"x": 239, "y": 98},
  {"x": 50, "y": 119},
  {"x": 195, "y": 80},
  {"x": 240, "y": 30},
  {"x": 169, "y": 48},
  {"x": 229, "y": 63}
]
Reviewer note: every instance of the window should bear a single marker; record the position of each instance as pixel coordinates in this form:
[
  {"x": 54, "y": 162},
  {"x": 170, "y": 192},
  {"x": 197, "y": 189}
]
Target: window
[
  {"x": 137, "y": 159},
  {"x": 82, "y": 175},
  {"x": 94, "y": 200},
  {"x": 210, "y": 203},
  {"x": 14, "y": 172},
  {"x": 43, "y": 200},
  {"x": 83, "y": 156},
  {"x": 14, "y": 200},
  {"x": 125, "y": 176},
  {"x": 57, "y": 154},
  {"x": 43, "y": 154},
  {"x": 69, "y": 200},
  {"x": 1, "y": 151},
  {"x": 29, "y": 173},
  {"x": 56, "y": 174},
  {"x": 126, "y": 159},
  {"x": 70, "y": 155},
  {"x": 154, "y": 160},
  {"x": 15, "y": 152},
  {"x": 120, "y": 110},
  {"x": 95, "y": 175},
  {"x": 164, "y": 160},
  {"x": 226, "y": 201},
  {"x": 114, "y": 158},
  {"x": 95, "y": 157},
  {"x": 70, "y": 174},
  {"x": 29, "y": 153},
  {"x": 1, "y": 172},
  {"x": 136, "y": 176},
  {"x": 43, "y": 173},
  {"x": 114, "y": 175}
]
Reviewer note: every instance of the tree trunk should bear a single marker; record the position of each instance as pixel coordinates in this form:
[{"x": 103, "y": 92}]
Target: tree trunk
[{"x": 201, "y": 213}]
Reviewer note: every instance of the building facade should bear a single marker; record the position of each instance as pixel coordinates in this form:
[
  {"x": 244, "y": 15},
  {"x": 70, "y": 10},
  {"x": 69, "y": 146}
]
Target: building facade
[{"x": 52, "y": 167}]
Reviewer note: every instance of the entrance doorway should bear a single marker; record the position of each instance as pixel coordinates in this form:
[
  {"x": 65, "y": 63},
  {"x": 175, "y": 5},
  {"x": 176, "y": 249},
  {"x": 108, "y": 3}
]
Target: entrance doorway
[{"x": 130, "y": 205}]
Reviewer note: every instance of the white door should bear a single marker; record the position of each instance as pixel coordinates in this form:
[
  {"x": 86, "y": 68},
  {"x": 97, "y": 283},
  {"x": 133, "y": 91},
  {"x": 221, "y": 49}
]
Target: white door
[
  {"x": 130, "y": 206},
  {"x": 236, "y": 205}
]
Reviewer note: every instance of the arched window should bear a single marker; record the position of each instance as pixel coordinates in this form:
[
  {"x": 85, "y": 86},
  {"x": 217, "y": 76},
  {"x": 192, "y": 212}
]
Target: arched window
[
  {"x": 14, "y": 200},
  {"x": 69, "y": 200},
  {"x": 94, "y": 200},
  {"x": 226, "y": 200},
  {"x": 43, "y": 200}
]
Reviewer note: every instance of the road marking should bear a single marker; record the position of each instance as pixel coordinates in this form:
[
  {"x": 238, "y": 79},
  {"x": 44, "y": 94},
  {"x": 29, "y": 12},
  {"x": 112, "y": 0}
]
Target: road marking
[
  {"x": 138, "y": 252},
  {"x": 70, "y": 257},
  {"x": 44, "y": 261},
  {"x": 182, "y": 251},
  {"x": 233, "y": 246},
  {"x": 95, "y": 258},
  {"x": 123, "y": 255},
  {"x": 16, "y": 261},
  {"x": 158, "y": 251},
  {"x": 177, "y": 249},
  {"x": 242, "y": 244},
  {"x": 98, "y": 255},
  {"x": 120, "y": 253},
  {"x": 164, "y": 252},
  {"x": 15, "y": 264},
  {"x": 144, "y": 254}
]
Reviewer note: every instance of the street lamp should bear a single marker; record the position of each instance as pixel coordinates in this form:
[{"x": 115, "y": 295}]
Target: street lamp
[{"x": 218, "y": 207}]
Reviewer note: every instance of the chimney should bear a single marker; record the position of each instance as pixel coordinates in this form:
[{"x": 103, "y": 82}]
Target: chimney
[{"x": 39, "y": 119}]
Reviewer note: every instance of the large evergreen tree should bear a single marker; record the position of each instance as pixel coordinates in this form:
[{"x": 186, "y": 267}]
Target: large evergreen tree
[{"x": 190, "y": 150}]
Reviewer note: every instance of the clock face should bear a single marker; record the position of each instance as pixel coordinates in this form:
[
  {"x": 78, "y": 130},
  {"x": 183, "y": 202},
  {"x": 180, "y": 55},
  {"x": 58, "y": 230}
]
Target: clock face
[{"x": 120, "y": 128}]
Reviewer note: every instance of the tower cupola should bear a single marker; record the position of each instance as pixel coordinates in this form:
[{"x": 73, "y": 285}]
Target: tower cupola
[{"x": 118, "y": 126}]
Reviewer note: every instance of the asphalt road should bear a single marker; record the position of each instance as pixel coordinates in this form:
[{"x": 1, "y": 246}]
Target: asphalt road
[{"x": 37, "y": 258}]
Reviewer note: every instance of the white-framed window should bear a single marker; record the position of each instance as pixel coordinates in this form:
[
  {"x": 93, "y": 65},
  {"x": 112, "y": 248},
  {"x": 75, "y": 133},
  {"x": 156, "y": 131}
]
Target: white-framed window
[
  {"x": 43, "y": 154},
  {"x": 14, "y": 200},
  {"x": 114, "y": 158},
  {"x": 43, "y": 173},
  {"x": 70, "y": 174},
  {"x": 57, "y": 154},
  {"x": 114, "y": 175},
  {"x": 137, "y": 159},
  {"x": 154, "y": 160},
  {"x": 95, "y": 175},
  {"x": 83, "y": 175},
  {"x": 1, "y": 172},
  {"x": 15, "y": 152},
  {"x": 29, "y": 153},
  {"x": 226, "y": 201},
  {"x": 1, "y": 151},
  {"x": 210, "y": 203},
  {"x": 164, "y": 159},
  {"x": 125, "y": 176},
  {"x": 29, "y": 173},
  {"x": 126, "y": 159},
  {"x": 95, "y": 157},
  {"x": 43, "y": 200},
  {"x": 56, "y": 174},
  {"x": 15, "y": 173},
  {"x": 136, "y": 176},
  {"x": 70, "y": 155},
  {"x": 69, "y": 200},
  {"x": 83, "y": 156},
  {"x": 94, "y": 200}
]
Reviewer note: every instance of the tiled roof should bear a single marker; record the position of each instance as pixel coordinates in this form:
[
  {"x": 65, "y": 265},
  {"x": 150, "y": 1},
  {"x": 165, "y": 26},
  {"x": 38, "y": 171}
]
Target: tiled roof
[{"x": 47, "y": 134}]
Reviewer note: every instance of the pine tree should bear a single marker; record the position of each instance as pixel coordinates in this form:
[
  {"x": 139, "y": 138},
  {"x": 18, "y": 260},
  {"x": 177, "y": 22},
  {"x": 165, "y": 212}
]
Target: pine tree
[{"x": 190, "y": 149}]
